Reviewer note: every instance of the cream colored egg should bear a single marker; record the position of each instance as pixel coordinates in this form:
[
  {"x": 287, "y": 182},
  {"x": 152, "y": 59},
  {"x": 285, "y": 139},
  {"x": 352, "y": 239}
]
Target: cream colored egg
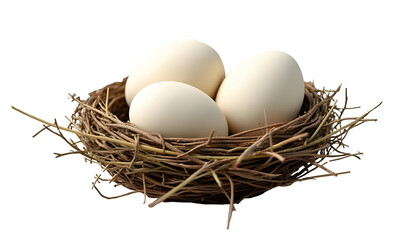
[
  {"x": 188, "y": 61},
  {"x": 267, "y": 86},
  {"x": 176, "y": 109}
]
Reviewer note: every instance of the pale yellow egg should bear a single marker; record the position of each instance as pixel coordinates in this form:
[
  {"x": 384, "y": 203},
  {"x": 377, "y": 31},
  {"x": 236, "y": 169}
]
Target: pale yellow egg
[
  {"x": 176, "y": 109},
  {"x": 187, "y": 61},
  {"x": 265, "y": 88}
]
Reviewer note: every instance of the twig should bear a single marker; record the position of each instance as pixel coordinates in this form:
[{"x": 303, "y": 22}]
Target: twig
[{"x": 182, "y": 184}]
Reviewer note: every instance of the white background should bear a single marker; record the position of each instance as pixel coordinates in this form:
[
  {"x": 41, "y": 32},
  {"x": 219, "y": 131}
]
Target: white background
[{"x": 51, "y": 48}]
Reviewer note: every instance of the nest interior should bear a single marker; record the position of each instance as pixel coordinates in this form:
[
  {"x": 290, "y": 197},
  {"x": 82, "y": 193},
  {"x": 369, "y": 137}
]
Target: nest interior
[{"x": 211, "y": 170}]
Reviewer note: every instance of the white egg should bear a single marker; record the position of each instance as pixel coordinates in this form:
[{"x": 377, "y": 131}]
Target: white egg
[
  {"x": 176, "y": 109},
  {"x": 187, "y": 61},
  {"x": 267, "y": 86}
]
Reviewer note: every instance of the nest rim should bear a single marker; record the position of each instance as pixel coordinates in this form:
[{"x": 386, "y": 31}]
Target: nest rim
[{"x": 106, "y": 102}]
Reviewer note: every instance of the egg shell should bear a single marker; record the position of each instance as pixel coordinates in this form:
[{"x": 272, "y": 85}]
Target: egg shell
[
  {"x": 187, "y": 61},
  {"x": 267, "y": 86},
  {"x": 176, "y": 109}
]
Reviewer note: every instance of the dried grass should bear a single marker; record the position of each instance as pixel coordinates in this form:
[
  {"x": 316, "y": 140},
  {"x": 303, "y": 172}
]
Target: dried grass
[{"x": 212, "y": 170}]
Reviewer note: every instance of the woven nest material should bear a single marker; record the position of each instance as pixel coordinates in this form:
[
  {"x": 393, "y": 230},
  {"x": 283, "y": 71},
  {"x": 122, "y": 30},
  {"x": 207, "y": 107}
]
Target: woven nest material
[
  {"x": 214, "y": 170},
  {"x": 210, "y": 170}
]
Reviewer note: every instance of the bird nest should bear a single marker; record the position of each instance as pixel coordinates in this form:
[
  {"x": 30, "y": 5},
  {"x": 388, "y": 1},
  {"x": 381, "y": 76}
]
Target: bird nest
[{"x": 209, "y": 170}]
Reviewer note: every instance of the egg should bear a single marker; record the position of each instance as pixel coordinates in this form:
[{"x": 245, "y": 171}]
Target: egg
[
  {"x": 176, "y": 109},
  {"x": 265, "y": 88},
  {"x": 187, "y": 61}
]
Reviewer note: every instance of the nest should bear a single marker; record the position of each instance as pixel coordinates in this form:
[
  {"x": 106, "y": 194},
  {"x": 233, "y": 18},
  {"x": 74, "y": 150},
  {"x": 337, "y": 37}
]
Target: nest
[{"x": 210, "y": 170}]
